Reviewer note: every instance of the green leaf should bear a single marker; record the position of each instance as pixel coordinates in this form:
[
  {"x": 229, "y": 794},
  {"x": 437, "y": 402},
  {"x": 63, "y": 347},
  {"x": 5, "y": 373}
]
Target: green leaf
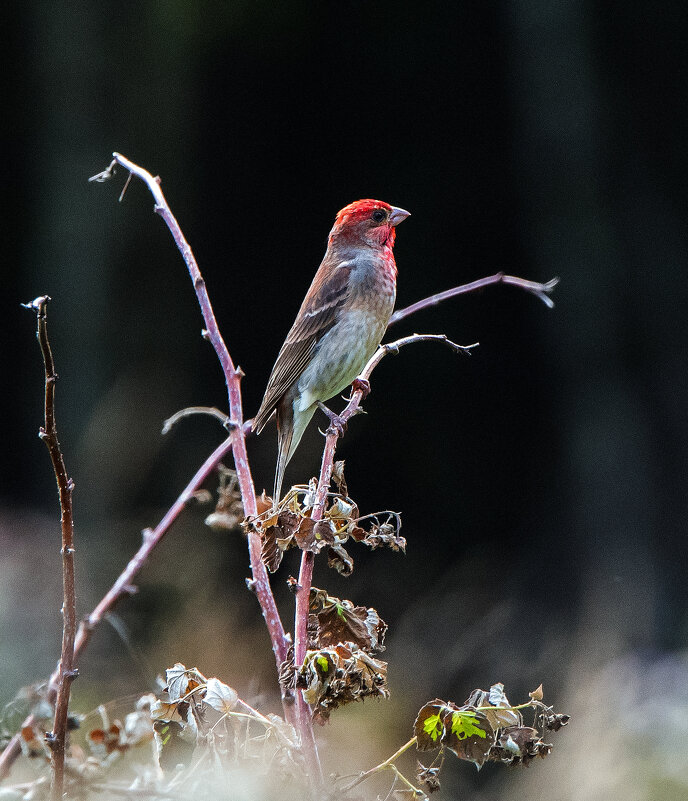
[
  {"x": 463, "y": 725},
  {"x": 432, "y": 726},
  {"x": 323, "y": 664}
]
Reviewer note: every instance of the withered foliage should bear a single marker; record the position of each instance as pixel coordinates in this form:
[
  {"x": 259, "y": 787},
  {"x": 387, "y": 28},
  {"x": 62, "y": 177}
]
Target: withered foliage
[
  {"x": 229, "y": 510},
  {"x": 290, "y": 526},
  {"x": 339, "y": 666},
  {"x": 487, "y": 728}
]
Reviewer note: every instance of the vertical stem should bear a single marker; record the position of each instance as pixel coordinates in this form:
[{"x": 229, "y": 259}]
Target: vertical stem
[
  {"x": 66, "y": 669},
  {"x": 303, "y": 594}
]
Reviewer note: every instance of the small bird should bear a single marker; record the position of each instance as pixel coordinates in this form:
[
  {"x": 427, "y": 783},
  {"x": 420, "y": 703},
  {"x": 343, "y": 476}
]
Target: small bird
[{"x": 340, "y": 323}]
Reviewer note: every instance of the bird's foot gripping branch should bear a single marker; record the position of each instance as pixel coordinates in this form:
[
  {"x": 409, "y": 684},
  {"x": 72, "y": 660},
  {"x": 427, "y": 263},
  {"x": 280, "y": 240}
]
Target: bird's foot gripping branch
[{"x": 333, "y": 656}]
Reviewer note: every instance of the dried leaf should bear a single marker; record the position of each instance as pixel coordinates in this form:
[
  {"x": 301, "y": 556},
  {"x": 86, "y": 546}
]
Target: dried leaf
[
  {"x": 270, "y": 553},
  {"x": 338, "y": 478},
  {"x": 537, "y": 695},
  {"x": 554, "y": 721},
  {"x": 304, "y": 535},
  {"x": 220, "y": 696},
  {"x": 385, "y": 535},
  {"x": 331, "y": 677},
  {"x": 170, "y": 712},
  {"x": 339, "y": 559},
  {"x": 181, "y": 681},
  {"x": 263, "y": 503},
  {"x": 428, "y": 776},
  {"x": 494, "y": 697},
  {"x": 341, "y": 509},
  {"x": 468, "y": 734},
  {"x": 342, "y": 622},
  {"x": 429, "y": 726},
  {"x": 519, "y": 745}
]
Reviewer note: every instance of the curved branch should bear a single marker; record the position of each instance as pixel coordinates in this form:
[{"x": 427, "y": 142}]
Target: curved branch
[
  {"x": 260, "y": 583},
  {"x": 172, "y": 421},
  {"x": 542, "y": 291}
]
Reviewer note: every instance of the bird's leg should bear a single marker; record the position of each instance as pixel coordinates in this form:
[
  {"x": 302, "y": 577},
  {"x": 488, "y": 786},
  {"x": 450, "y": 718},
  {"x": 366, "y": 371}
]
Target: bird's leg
[
  {"x": 336, "y": 423},
  {"x": 361, "y": 384}
]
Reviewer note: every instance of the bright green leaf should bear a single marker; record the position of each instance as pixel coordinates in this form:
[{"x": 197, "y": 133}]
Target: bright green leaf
[{"x": 432, "y": 725}]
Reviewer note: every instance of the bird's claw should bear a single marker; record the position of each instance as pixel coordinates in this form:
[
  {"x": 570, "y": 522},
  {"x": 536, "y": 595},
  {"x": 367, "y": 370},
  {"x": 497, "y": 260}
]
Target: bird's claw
[
  {"x": 337, "y": 425},
  {"x": 361, "y": 385}
]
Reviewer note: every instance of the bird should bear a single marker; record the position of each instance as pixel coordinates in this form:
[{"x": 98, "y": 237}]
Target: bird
[{"x": 339, "y": 326}]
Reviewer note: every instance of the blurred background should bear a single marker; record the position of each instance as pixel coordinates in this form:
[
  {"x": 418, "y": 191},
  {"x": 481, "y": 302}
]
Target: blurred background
[{"x": 541, "y": 482}]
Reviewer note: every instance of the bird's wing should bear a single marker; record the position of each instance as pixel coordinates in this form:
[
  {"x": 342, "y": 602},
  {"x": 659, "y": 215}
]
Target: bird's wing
[{"x": 317, "y": 315}]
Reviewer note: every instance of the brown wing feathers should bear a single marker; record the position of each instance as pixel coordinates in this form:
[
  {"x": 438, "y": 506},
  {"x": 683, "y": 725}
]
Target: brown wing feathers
[{"x": 317, "y": 315}]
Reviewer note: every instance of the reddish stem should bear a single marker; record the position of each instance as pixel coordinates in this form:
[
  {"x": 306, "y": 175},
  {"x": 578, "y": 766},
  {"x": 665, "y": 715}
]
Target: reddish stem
[
  {"x": 307, "y": 558},
  {"x": 261, "y": 582},
  {"x": 123, "y": 586}
]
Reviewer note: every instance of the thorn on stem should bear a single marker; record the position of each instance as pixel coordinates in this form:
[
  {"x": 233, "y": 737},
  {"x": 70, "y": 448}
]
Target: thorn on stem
[
  {"x": 124, "y": 189},
  {"x": 147, "y": 535},
  {"x": 251, "y": 584}
]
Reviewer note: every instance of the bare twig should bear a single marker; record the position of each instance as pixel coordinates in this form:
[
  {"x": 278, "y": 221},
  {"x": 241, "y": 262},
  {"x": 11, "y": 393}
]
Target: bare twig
[
  {"x": 542, "y": 291},
  {"x": 211, "y": 411},
  {"x": 124, "y": 585},
  {"x": 260, "y": 583},
  {"x": 388, "y": 764},
  {"x": 66, "y": 669}
]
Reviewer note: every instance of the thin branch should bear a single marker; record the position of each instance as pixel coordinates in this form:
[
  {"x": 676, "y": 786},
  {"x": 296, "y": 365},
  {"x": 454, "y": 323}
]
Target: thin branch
[
  {"x": 387, "y": 764},
  {"x": 542, "y": 291},
  {"x": 211, "y": 411},
  {"x": 332, "y": 435},
  {"x": 66, "y": 671},
  {"x": 124, "y": 585},
  {"x": 260, "y": 582}
]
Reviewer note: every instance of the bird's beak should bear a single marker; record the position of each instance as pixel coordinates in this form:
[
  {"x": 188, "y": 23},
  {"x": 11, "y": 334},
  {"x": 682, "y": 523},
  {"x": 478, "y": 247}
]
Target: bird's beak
[{"x": 398, "y": 215}]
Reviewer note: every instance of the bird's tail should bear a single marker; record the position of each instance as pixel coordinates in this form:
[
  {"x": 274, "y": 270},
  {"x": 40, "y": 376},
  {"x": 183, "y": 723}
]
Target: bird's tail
[{"x": 290, "y": 427}]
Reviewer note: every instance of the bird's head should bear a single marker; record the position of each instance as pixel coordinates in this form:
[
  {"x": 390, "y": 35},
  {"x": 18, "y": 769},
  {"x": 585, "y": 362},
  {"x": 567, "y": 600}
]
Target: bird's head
[{"x": 372, "y": 221}]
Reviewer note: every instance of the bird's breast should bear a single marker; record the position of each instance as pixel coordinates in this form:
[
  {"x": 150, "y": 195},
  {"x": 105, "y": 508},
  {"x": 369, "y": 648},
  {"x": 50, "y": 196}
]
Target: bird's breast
[{"x": 344, "y": 351}]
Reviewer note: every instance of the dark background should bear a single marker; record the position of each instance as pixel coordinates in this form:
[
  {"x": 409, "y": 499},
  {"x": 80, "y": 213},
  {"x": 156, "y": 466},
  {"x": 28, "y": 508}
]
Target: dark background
[{"x": 542, "y": 481}]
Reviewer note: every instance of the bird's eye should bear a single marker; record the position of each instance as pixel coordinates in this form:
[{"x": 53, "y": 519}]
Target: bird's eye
[{"x": 379, "y": 215}]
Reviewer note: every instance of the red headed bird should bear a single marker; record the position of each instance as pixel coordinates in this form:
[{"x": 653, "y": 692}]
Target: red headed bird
[{"x": 340, "y": 323}]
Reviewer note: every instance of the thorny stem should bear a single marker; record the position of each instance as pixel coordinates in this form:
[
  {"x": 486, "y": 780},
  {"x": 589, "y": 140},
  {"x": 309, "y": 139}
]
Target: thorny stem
[
  {"x": 260, "y": 583},
  {"x": 66, "y": 672},
  {"x": 541, "y": 291},
  {"x": 332, "y": 435}
]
